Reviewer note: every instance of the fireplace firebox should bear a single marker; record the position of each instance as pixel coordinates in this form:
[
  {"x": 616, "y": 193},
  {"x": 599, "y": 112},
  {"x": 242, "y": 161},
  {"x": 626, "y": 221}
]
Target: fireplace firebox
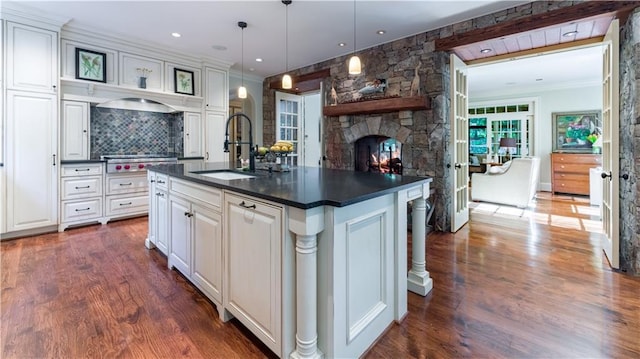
[{"x": 378, "y": 154}]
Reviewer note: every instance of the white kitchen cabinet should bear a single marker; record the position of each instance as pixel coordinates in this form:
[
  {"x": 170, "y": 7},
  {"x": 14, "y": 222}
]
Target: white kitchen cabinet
[
  {"x": 130, "y": 71},
  {"x": 127, "y": 195},
  {"x": 253, "y": 252},
  {"x": 81, "y": 198},
  {"x": 207, "y": 251},
  {"x": 196, "y": 236},
  {"x": 31, "y": 163},
  {"x": 32, "y": 58},
  {"x": 214, "y": 137},
  {"x": 180, "y": 234},
  {"x": 158, "y": 213},
  {"x": 192, "y": 134},
  {"x": 75, "y": 130},
  {"x": 216, "y": 94}
]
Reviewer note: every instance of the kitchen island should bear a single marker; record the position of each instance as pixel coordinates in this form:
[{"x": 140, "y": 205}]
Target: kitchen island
[{"x": 312, "y": 261}]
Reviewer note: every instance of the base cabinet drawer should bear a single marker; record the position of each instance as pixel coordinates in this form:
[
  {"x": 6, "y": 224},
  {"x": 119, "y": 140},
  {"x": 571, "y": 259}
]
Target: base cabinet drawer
[
  {"x": 126, "y": 184},
  {"x": 81, "y": 210},
  {"x": 76, "y": 187},
  {"x": 125, "y": 205},
  {"x": 88, "y": 169}
]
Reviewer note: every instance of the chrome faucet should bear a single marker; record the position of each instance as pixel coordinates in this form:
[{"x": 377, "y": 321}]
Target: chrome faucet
[{"x": 252, "y": 153}]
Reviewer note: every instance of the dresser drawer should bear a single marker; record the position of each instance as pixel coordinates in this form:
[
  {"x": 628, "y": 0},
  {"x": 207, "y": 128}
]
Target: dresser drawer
[
  {"x": 565, "y": 176},
  {"x": 576, "y": 158},
  {"x": 89, "y": 169},
  {"x": 571, "y": 168},
  {"x": 126, "y": 184},
  {"x": 571, "y": 186},
  {"x": 81, "y": 187},
  {"x": 80, "y": 210}
]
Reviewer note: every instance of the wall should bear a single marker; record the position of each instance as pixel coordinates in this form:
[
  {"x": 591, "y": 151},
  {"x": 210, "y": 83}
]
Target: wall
[
  {"x": 568, "y": 98},
  {"x": 630, "y": 144},
  {"x": 253, "y": 102},
  {"x": 115, "y": 131},
  {"x": 427, "y": 145}
]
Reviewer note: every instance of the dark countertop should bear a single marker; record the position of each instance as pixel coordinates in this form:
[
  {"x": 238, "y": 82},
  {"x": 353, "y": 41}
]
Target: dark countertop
[
  {"x": 302, "y": 187},
  {"x": 76, "y": 162}
]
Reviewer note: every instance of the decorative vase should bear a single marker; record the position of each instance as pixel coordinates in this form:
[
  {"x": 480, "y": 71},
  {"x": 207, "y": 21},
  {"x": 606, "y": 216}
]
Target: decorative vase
[{"x": 142, "y": 82}]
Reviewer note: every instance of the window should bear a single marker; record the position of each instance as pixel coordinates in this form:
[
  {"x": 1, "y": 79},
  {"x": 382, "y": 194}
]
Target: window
[{"x": 477, "y": 135}]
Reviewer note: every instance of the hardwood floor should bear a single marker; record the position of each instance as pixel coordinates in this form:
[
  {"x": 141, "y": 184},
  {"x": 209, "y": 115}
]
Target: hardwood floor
[{"x": 511, "y": 284}]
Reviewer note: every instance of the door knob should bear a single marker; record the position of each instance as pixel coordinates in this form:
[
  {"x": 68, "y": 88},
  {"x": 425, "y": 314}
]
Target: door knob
[
  {"x": 457, "y": 165},
  {"x": 605, "y": 175}
]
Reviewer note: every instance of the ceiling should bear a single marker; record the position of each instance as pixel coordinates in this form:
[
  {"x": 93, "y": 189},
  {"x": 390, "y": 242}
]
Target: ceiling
[{"x": 317, "y": 27}]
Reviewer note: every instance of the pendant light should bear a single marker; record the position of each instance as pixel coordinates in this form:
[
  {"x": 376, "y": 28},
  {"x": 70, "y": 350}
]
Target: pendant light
[
  {"x": 354, "y": 62},
  {"x": 242, "y": 91},
  {"x": 287, "y": 83}
]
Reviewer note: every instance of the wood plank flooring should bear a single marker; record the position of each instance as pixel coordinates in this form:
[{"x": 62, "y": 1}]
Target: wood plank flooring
[{"x": 511, "y": 284}]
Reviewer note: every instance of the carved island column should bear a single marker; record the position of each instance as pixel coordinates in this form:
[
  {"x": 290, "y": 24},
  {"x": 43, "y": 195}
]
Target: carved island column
[
  {"x": 306, "y": 224},
  {"x": 418, "y": 280}
]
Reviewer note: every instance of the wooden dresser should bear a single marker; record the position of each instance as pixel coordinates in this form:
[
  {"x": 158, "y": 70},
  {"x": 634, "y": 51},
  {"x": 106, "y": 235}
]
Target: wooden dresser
[{"x": 570, "y": 172}]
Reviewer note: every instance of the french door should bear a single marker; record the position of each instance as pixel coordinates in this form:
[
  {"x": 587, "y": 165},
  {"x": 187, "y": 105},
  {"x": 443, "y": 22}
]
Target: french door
[{"x": 459, "y": 143}]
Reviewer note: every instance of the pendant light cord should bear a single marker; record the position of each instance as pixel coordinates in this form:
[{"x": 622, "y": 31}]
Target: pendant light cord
[
  {"x": 354, "y": 27},
  {"x": 286, "y": 38},
  {"x": 242, "y": 68}
]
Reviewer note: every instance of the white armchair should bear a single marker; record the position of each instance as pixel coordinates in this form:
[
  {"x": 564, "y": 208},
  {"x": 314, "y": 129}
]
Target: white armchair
[{"x": 516, "y": 186}]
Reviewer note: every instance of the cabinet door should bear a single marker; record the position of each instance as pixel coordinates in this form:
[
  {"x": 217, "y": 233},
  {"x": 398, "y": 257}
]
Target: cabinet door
[
  {"x": 216, "y": 95},
  {"x": 207, "y": 251},
  {"x": 75, "y": 130},
  {"x": 32, "y": 56},
  {"x": 253, "y": 248},
  {"x": 153, "y": 209},
  {"x": 214, "y": 137},
  {"x": 180, "y": 238},
  {"x": 30, "y": 162},
  {"x": 162, "y": 221},
  {"x": 192, "y": 134}
]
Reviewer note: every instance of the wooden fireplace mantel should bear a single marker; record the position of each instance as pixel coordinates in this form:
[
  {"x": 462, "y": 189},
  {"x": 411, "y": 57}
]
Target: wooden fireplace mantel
[{"x": 379, "y": 106}]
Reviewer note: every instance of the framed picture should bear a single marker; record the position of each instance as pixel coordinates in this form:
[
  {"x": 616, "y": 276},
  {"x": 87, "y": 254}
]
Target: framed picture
[
  {"x": 91, "y": 65},
  {"x": 576, "y": 131},
  {"x": 183, "y": 80}
]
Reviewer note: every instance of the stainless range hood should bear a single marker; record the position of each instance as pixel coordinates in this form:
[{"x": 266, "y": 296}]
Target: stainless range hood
[{"x": 137, "y": 104}]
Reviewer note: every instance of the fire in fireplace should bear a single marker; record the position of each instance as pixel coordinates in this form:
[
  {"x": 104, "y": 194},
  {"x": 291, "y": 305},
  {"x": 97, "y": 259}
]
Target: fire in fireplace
[{"x": 378, "y": 154}]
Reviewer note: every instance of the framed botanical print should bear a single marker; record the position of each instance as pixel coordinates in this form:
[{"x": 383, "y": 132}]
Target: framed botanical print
[
  {"x": 183, "y": 80},
  {"x": 91, "y": 65}
]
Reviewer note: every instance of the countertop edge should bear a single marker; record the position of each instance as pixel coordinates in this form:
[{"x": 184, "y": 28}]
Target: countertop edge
[{"x": 301, "y": 205}]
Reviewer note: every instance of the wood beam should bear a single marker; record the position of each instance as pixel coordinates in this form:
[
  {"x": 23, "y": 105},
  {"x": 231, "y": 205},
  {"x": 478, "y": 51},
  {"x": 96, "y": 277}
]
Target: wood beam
[
  {"x": 303, "y": 83},
  {"x": 551, "y": 18},
  {"x": 415, "y": 103}
]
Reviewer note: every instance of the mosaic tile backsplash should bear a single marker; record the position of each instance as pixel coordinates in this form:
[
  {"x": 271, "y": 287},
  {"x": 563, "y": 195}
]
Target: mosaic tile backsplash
[{"x": 126, "y": 132}]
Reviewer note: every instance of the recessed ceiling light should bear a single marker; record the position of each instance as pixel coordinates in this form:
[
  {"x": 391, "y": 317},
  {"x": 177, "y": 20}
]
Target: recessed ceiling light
[
  {"x": 259, "y": 59},
  {"x": 219, "y": 47},
  {"x": 175, "y": 34},
  {"x": 251, "y": 69},
  {"x": 485, "y": 51},
  {"x": 538, "y": 79},
  {"x": 381, "y": 32},
  {"x": 342, "y": 44},
  {"x": 570, "y": 33}
]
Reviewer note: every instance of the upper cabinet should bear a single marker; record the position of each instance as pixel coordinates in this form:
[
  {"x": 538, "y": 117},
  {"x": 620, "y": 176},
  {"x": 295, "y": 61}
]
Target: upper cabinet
[
  {"x": 133, "y": 67},
  {"x": 216, "y": 94},
  {"x": 32, "y": 54},
  {"x": 69, "y": 59}
]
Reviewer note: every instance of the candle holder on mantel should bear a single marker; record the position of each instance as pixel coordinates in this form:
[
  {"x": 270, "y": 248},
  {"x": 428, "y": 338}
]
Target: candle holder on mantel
[{"x": 142, "y": 80}]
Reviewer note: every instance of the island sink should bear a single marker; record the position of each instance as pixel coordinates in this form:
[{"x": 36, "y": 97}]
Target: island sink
[{"x": 224, "y": 175}]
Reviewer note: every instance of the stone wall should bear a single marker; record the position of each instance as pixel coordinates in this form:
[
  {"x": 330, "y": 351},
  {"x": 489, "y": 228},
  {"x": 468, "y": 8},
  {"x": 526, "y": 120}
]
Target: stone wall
[
  {"x": 426, "y": 151},
  {"x": 630, "y": 143}
]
